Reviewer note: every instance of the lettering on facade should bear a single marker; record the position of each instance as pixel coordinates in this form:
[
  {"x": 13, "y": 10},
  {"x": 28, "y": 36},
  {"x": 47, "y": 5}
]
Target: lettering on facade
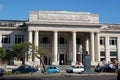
[
  {"x": 64, "y": 17},
  {"x": 57, "y": 16}
]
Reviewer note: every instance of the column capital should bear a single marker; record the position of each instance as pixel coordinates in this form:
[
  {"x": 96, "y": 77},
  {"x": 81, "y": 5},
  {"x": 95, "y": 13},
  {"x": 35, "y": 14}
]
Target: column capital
[
  {"x": 36, "y": 30},
  {"x": 55, "y": 31},
  {"x": 92, "y": 32},
  {"x": 74, "y": 31}
]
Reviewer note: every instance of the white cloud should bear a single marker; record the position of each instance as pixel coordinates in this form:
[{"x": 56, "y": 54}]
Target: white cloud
[{"x": 1, "y": 7}]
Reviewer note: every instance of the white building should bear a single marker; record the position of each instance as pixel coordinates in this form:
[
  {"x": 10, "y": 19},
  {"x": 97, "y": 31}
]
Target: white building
[{"x": 66, "y": 36}]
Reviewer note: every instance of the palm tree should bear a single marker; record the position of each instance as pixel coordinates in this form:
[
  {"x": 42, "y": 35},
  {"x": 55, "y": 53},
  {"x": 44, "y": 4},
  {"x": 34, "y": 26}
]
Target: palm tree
[{"x": 20, "y": 50}]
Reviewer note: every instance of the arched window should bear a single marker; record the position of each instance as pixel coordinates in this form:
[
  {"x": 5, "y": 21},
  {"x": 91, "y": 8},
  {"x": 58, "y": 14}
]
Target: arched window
[
  {"x": 62, "y": 40},
  {"x": 45, "y": 40},
  {"x": 78, "y": 41}
]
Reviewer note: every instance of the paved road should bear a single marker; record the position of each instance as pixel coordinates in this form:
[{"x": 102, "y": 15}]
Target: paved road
[{"x": 60, "y": 76}]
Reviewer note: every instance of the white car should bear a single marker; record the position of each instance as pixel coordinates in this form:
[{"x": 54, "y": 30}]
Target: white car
[{"x": 75, "y": 69}]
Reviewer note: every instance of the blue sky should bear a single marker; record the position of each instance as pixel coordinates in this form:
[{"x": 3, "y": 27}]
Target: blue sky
[{"x": 19, "y": 9}]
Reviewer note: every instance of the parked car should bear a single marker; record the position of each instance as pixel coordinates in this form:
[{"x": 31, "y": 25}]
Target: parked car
[
  {"x": 75, "y": 69},
  {"x": 106, "y": 68},
  {"x": 98, "y": 69},
  {"x": 118, "y": 75},
  {"x": 2, "y": 70},
  {"x": 24, "y": 69},
  {"x": 51, "y": 69}
]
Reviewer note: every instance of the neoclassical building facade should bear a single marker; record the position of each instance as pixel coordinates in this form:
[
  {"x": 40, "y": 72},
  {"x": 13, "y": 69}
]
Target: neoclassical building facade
[{"x": 66, "y": 36}]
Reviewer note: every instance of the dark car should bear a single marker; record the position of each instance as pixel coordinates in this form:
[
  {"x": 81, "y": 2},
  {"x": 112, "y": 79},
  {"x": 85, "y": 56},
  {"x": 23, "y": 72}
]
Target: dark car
[
  {"x": 2, "y": 70},
  {"x": 118, "y": 75},
  {"x": 106, "y": 68},
  {"x": 98, "y": 69},
  {"x": 52, "y": 69},
  {"x": 24, "y": 69}
]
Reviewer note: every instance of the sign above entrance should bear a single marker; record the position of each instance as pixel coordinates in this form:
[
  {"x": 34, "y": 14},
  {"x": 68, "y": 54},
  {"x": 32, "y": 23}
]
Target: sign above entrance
[{"x": 64, "y": 16}]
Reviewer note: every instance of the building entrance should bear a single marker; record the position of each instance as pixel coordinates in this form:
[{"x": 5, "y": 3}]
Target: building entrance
[{"x": 61, "y": 59}]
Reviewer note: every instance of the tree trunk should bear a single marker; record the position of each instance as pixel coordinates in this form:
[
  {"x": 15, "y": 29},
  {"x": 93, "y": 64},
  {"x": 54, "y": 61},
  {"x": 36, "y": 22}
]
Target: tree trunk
[{"x": 42, "y": 64}]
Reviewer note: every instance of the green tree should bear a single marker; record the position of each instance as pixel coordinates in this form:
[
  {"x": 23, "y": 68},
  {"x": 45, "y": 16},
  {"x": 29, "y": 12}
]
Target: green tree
[
  {"x": 20, "y": 50},
  {"x": 2, "y": 53}
]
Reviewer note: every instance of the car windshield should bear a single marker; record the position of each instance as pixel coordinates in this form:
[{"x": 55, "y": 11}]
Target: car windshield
[
  {"x": 52, "y": 67},
  {"x": 21, "y": 67}
]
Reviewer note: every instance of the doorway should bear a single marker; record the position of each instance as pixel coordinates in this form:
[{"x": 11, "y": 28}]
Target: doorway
[{"x": 61, "y": 59}]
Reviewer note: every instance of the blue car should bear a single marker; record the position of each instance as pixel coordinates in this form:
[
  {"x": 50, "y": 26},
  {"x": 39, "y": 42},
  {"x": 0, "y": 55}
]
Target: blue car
[
  {"x": 24, "y": 69},
  {"x": 51, "y": 69}
]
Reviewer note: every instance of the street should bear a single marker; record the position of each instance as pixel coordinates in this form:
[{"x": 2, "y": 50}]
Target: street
[{"x": 61, "y": 76}]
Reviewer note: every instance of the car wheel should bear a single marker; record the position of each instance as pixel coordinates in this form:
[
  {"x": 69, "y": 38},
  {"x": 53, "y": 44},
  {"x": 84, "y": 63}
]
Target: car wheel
[
  {"x": 81, "y": 72},
  {"x": 70, "y": 71}
]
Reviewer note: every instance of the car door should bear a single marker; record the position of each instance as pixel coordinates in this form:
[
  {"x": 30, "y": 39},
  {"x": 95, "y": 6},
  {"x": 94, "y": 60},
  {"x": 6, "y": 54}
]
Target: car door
[
  {"x": 76, "y": 69},
  {"x": 50, "y": 69}
]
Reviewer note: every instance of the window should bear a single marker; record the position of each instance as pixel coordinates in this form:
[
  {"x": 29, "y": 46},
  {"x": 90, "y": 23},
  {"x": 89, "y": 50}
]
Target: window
[
  {"x": 45, "y": 40},
  {"x": 5, "y": 39},
  {"x": 113, "y": 59},
  {"x": 102, "y": 53},
  {"x": 102, "y": 59},
  {"x": 113, "y": 53},
  {"x": 78, "y": 41},
  {"x": 19, "y": 38},
  {"x": 102, "y": 40},
  {"x": 113, "y": 40},
  {"x": 62, "y": 40}
]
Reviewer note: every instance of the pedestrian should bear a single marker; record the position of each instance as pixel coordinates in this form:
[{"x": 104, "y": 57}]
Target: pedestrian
[
  {"x": 80, "y": 63},
  {"x": 98, "y": 68},
  {"x": 62, "y": 62}
]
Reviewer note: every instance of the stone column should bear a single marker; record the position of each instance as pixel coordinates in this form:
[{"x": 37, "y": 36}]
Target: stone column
[
  {"x": 30, "y": 36},
  {"x": 97, "y": 47},
  {"x": 74, "y": 48},
  {"x": 36, "y": 43},
  {"x": 55, "y": 52},
  {"x": 107, "y": 51},
  {"x": 118, "y": 47},
  {"x": 0, "y": 40},
  {"x": 92, "y": 46},
  {"x": 87, "y": 45}
]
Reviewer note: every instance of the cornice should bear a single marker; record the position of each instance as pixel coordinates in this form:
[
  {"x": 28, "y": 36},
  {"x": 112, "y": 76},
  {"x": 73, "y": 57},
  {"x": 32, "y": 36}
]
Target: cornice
[{"x": 63, "y": 23}]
